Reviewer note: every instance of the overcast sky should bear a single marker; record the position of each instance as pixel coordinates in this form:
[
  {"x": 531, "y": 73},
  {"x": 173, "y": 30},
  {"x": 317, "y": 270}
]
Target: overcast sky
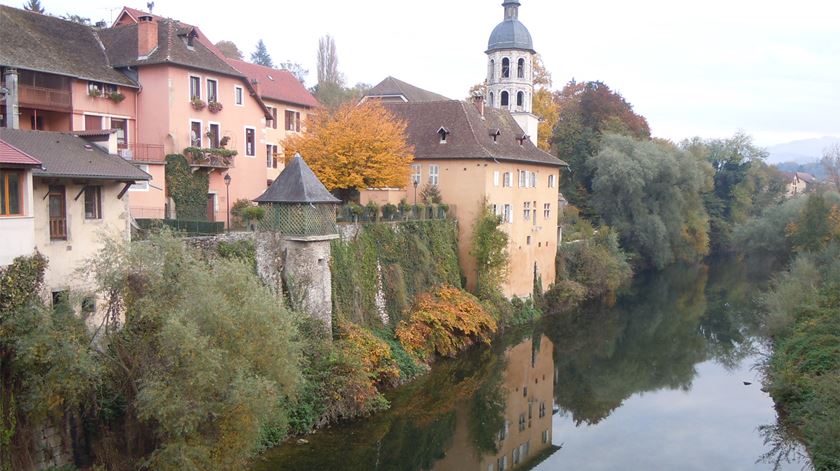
[{"x": 708, "y": 68}]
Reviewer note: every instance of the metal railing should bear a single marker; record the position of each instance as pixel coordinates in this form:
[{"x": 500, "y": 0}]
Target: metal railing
[{"x": 143, "y": 152}]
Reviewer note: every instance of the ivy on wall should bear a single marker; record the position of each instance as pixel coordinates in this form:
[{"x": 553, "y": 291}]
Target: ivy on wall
[
  {"x": 411, "y": 258},
  {"x": 187, "y": 189}
]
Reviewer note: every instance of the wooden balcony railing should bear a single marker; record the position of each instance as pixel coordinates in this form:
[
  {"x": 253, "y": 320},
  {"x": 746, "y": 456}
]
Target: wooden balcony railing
[
  {"x": 143, "y": 152},
  {"x": 47, "y": 98},
  {"x": 58, "y": 229}
]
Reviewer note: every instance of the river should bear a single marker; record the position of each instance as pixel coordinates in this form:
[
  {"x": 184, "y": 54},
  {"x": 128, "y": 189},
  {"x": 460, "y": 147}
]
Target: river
[{"x": 666, "y": 378}]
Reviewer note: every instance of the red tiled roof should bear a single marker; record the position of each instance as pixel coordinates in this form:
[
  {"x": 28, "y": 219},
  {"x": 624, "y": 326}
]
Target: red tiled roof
[
  {"x": 10, "y": 154},
  {"x": 276, "y": 84}
]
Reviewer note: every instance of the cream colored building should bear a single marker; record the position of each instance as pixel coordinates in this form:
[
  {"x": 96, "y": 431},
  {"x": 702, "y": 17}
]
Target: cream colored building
[
  {"x": 17, "y": 220},
  {"x": 80, "y": 195}
]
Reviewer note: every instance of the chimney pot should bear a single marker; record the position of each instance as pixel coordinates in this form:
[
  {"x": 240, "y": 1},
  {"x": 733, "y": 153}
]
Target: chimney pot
[{"x": 478, "y": 101}]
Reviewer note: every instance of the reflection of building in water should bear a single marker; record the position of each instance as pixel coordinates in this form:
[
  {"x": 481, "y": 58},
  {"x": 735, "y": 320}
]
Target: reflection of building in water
[{"x": 529, "y": 395}]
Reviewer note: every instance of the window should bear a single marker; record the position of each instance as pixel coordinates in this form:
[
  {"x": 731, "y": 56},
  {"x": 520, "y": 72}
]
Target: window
[
  {"x": 58, "y": 213},
  {"x": 516, "y": 456},
  {"x": 496, "y": 178},
  {"x": 141, "y": 185},
  {"x": 526, "y": 210},
  {"x": 270, "y": 156},
  {"x": 195, "y": 133},
  {"x": 60, "y": 297},
  {"x": 491, "y": 74},
  {"x": 547, "y": 211},
  {"x": 442, "y": 132},
  {"x": 212, "y": 90},
  {"x": 88, "y": 304},
  {"x": 11, "y": 192},
  {"x": 238, "y": 98},
  {"x": 523, "y": 179},
  {"x": 492, "y": 100},
  {"x": 434, "y": 172},
  {"x": 213, "y": 135},
  {"x": 520, "y": 99},
  {"x": 93, "y": 202},
  {"x": 122, "y": 128},
  {"x": 494, "y": 208},
  {"x": 542, "y": 409},
  {"x": 507, "y": 215},
  {"x": 491, "y": 467},
  {"x": 273, "y": 118},
  {"x": 533, "y": 179},
  {"x": 195, "y": 87},
  {"x": 502, "y": 463},
  {"x": 505, "y": 68},
  {"x": 505, "y": 99},
  {"x": 520, "y": 68},
  {"x": 415, "y": 173},
  {"x": 250, "y": 141},
  {"x": 506, "y": 181},
  {"x": 551, "y": 181},
  {"x": 292, "y": 121},
  {"x": 545, "y": 436},
  {"x": 528, "y": 242},
  {"x": 521, "y": 422},
  {"x": 93, "y": 123}
]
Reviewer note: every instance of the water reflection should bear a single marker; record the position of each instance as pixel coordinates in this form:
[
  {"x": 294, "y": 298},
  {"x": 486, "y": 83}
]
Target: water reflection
[{"x": 654, "y": 382}]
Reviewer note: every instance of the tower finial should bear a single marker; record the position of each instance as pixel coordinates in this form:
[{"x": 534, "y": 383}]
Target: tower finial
[{"x": 511, "y": 9}]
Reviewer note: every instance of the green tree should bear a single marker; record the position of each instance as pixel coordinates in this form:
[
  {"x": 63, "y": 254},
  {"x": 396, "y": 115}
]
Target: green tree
[
  {"x": 34, "y": 6},
  {"x": 830, "y": 161},
  {"x": 489, "y": 247},
  {"x": 261, "y": 56},
  {"x": 295, "y": 69},
  {"x": 587, "y": 110},
  {"x": 328, "y": 62},
  {"x": 650, "y": 192},
  {"x": 230, "y": 50},
  {"x": 204, "y": 359}
]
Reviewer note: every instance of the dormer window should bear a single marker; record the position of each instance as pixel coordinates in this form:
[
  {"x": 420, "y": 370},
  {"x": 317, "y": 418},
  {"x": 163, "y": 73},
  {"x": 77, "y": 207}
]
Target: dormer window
[
  {"x": 521, "y": 139},
  {"x": 442, "y": 133},
  {"x": 495, "y": 133}
]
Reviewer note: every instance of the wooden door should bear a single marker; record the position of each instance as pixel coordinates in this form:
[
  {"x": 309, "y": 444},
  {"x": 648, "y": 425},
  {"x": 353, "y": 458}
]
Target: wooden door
[{"x": 211, "y": 207}]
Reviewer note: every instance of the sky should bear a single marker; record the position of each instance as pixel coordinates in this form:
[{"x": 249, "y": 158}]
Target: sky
[{"x": 709, "y": 68}]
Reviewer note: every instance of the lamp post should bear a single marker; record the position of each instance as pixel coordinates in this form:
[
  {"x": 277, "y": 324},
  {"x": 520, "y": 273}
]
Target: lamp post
[
  {"x": 416, "y": 182},
  {"x": 227, "y": 198}
]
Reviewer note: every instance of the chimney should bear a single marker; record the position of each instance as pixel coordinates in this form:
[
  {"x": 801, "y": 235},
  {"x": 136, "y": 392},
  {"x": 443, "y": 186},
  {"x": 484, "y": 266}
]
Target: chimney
[
  {"x": 478, "y": 101},
  {"x": 11, "y": 91},
  {"x": 147, "y": 35}
]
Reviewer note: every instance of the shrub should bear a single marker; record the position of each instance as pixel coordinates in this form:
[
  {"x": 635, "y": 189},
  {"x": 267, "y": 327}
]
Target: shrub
[
  {"x": 372, "y": 210},
  {"x": 253, "y": 213},
  {"x": 489, "y": 247},
  {"x": 597, "y": 263},
  {"x": 236, "y": 212},
  {"x": 389, "y": 211},
  {"x": 431, "y": 194},
  {"x": 445, "y": 322}
]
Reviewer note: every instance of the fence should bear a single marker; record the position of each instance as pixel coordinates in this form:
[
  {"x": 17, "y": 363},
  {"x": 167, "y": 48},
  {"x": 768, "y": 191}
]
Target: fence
[
  {"x": 182, "y": 227},
  {"x": 356, "y": 213},
  {"x": 299, "y": 220}
]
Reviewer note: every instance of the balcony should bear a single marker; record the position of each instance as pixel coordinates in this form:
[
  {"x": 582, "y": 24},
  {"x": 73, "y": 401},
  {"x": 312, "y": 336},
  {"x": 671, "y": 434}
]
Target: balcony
[
  {"x": 137, "y": 152},
  {"x": 209, "y": 158},
  {"x": 44, "y": 98}
]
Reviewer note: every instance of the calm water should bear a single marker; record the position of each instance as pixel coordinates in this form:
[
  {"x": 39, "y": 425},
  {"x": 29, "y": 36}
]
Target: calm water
[{"x": 656, "y": 382}]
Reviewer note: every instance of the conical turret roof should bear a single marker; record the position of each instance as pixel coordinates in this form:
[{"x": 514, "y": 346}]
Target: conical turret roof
[{"x": 297, "y": 183}]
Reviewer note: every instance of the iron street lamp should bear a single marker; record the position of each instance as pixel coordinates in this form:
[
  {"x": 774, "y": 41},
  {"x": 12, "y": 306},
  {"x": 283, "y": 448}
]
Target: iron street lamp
[{"x": 227, "y": 198}]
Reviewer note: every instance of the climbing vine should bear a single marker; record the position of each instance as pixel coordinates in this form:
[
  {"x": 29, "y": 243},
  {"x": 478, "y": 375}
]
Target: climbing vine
[
  {"x": 187, "y": 189},
  {"x": 409, "y": 258}
]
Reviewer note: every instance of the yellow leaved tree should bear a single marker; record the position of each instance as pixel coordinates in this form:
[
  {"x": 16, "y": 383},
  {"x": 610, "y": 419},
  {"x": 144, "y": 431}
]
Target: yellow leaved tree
[{"x": 355, "y": 147}]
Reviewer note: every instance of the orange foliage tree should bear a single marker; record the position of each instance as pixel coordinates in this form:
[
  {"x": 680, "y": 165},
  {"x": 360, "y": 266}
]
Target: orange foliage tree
[
  {"x": 355, "y": 147},
  {"x": 445, "y": 321}
]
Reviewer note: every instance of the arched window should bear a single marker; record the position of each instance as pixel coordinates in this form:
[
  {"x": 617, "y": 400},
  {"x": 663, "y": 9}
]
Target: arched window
[
  {"x": 491, "y": 74},
  {"x": 505, "y": 68},
  {"x": 520, "y": 68},
  {"x": 520, "y": 99},
  {"x": 492, "y": 100},
  {"x": 504, "y": 99}
]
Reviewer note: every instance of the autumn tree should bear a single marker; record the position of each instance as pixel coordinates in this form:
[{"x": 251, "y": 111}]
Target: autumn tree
[
  {"x": 831, "y": 163},
  {"x": 355, "y": 147},
  {"x": 587, "y": 110},
  {"x": 34, "y": 6},
  {"x": 261, "y": 56},
  {"x": 229, "y": 49}
]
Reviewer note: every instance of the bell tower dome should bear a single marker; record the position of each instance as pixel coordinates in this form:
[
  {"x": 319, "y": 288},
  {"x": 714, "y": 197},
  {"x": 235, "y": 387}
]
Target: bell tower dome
[{"x": 510, "y": 82}]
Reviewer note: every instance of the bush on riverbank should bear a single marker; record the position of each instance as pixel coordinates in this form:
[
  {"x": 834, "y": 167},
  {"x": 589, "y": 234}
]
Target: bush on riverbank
[
  {"x": 445, "y": 322},
  {"x": 596, "y": 264},
  {"x": 804, "y": 370}
]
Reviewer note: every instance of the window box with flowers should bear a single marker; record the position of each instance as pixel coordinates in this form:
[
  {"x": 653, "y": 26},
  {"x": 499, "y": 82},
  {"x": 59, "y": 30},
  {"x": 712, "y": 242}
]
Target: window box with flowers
[
  {"x": 94, "y": 92},
  {"x": 116, "y": 97},
  {"x": 214, "y": 106},
  {"x": 198, "y": 104}
]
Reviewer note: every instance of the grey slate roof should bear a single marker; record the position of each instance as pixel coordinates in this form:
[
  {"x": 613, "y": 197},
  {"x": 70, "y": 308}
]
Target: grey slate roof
[
  {"x": 121, "y": 45},
  {"x": 69, "y": 156},
  {"x": 395, "y": 87},
  {"x": 297, "y": 184},
  {"x": 49, "y": 44},
  {"x": 470, "y": 136}
]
